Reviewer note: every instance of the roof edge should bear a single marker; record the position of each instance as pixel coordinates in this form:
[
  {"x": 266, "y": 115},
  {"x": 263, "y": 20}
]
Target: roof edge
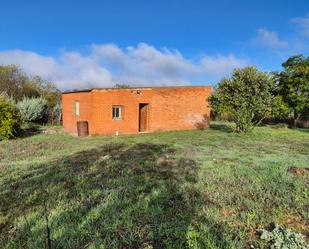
[
  {"x": 133, "y": 88},
  {"x": 77, "y": 91}
]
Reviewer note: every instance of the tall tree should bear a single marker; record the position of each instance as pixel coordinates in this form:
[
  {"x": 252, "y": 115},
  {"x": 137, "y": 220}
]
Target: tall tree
[
  {"x": 293, "y": 85},
  {"x": 247, "y": 96}
]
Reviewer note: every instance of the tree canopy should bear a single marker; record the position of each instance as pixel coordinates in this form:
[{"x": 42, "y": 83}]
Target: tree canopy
[
  {"x": 246, "y": 95},
  {"x": 293, "y": 85},
  {"x": 17, "y": 84}
]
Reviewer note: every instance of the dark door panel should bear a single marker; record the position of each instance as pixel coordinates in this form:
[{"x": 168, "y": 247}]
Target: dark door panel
[{"x": 143, "y": 117}]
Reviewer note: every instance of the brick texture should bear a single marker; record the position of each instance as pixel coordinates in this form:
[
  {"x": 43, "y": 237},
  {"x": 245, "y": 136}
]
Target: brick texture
[{"x": 169, "y": 108}]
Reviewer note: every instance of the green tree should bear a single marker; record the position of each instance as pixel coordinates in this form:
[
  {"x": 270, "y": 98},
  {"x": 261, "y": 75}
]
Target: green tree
[
  {"x": 280, "y": 110},
  {"x": 247, "y": 96},
  {"x": 293, "y": 85}
]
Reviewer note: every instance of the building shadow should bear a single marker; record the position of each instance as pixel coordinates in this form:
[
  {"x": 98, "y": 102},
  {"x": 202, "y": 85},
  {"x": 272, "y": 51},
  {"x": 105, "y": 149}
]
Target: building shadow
[
  {"x": 29, "y": 131},
  {"x": 115, "y": 196},
  {"x": 303, "y": 130},
  {"x": 221, "y": 127}
]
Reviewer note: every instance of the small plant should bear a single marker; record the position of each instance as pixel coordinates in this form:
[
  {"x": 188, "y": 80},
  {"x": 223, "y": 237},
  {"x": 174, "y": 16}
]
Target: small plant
[
  {"x": 283, "y": 238},
  {"x": 10, "y": 119},
  {"x": 32, "y": 109}
]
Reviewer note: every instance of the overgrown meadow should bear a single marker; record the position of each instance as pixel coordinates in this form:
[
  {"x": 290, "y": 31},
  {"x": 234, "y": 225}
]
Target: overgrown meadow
[{"x": 185, "y": 189}]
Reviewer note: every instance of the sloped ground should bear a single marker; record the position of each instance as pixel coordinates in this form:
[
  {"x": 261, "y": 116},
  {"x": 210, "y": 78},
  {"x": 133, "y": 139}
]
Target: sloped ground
[{"x": 188, "y": 189}]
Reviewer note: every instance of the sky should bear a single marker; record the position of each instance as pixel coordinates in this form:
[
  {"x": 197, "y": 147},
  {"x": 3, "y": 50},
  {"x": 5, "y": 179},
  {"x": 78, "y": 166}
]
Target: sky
[{"x": 91, "y": 43}]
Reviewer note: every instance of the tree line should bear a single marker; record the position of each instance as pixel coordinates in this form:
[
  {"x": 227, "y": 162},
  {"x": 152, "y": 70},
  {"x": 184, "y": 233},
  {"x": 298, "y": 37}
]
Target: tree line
[
  {"x": 250, "y": 96},
  {"x": 26, "y": 99}
]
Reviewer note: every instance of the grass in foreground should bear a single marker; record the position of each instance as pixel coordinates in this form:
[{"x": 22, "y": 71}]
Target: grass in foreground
[{"x": 186, "y": 189}]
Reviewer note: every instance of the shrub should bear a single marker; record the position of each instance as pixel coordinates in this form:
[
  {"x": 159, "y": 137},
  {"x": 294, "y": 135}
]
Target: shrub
[
  {"x": 283, "y": 238},
  {"x": 32, "y": 109},
  {"x": 247, "y": 96},
  {"x": 10, "y": 119}
]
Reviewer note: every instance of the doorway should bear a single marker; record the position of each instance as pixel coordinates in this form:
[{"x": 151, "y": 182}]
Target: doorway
[{"x": 143, "y": 117}]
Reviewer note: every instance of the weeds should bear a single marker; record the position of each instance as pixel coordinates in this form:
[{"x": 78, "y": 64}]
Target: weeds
[{"x": 192, "y": 189}]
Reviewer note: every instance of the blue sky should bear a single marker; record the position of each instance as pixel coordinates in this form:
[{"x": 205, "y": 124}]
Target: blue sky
[{"x": 81, "y": 44}]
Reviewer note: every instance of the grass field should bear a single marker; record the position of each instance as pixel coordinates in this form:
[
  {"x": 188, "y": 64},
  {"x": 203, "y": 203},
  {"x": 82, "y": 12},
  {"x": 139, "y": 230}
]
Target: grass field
[{"x": 184, "y": 189}]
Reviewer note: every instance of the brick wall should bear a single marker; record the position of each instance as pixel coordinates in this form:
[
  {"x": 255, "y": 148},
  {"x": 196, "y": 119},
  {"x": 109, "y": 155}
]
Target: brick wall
[
  {"x": 69, "y": 119},
  {"x": 174, "y": 108}
]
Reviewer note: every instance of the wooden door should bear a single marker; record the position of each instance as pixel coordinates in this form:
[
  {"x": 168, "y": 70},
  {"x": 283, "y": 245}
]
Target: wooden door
[{"x": 143, "y": 117}]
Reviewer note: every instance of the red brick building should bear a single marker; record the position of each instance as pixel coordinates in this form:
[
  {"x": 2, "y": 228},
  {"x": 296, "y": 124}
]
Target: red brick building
[{"x": 134, "y": 110}]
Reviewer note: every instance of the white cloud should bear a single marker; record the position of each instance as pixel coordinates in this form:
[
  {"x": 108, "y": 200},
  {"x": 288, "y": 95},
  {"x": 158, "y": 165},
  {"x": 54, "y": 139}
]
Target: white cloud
[
  {"x": 268, "y": 39},
  {"x": 31, "y": 62},
  {"x": 302, "y": 23},
  {"x": 107, "y": 64},
  {"x": 70, "y": 70},
  {"x": 216, "y": 65}
]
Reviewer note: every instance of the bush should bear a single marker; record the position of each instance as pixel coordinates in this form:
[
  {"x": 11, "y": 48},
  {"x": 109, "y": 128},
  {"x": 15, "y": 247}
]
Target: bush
[
  {"x": 10, "y": 119},
  {"x": 32, "y": 109},
  {"x": 283, "y": 238},
  {"x": 246, "y": 96}
]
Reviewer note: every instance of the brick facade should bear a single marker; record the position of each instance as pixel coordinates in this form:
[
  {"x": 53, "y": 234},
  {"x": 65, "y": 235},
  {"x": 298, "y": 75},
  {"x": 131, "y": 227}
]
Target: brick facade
[{"x": 169, "y": 108}]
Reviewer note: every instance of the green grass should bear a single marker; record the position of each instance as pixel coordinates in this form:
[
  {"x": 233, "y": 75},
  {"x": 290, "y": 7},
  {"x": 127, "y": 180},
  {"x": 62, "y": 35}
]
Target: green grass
[{"x": 184, "y": 189}]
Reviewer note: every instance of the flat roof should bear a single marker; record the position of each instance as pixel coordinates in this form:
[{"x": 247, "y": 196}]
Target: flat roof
[{"x": 131, "y": 88}]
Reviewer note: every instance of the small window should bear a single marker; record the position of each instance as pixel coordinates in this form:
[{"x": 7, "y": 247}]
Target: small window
[
  {"x": 117, "y": 112},
  {"x": 76, "y": 108}
]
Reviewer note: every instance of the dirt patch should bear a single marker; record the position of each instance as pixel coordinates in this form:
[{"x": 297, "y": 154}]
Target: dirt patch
[
  {"x": 296, "y": 223},
  {"x": 298, "y": 171},
  {"x": 52, "y": 130}
]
